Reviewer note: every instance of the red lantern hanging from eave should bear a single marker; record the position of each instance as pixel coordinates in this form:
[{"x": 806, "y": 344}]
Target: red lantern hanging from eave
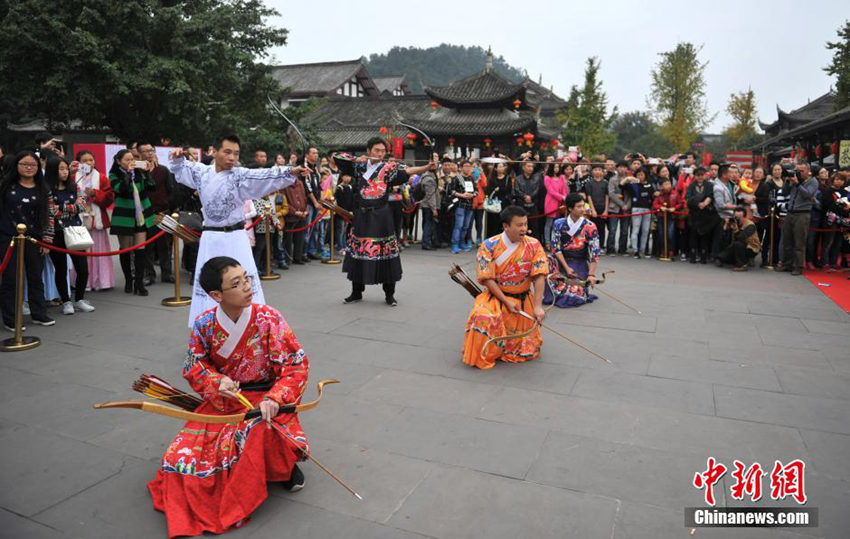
[
  {"x": 411, "y": 139},
  {"x": 528, "y": 137},
  {"x": 451, "y": 141},
  {"x": 544, "y": 145},
  {"x": 487, "y": 142},
  {"x": 382, "y": 129},
  {"x": 519, "y": 141},
  {"x": 555, "y": 142},
  {"x": 833, "y": 148},
  {"x": 517, "y": 103},
  {"x": 434, "y": 105}
]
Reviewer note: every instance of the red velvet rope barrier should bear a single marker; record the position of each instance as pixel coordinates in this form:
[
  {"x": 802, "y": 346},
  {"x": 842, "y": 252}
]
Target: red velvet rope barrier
[
  {"x": 412, "y": 209},
  {"x": 255, "y": 223},
  {"x": 7, "y": 257},
  {"x": 104, "y": 253},
  {"x": 316, "y": 220}
]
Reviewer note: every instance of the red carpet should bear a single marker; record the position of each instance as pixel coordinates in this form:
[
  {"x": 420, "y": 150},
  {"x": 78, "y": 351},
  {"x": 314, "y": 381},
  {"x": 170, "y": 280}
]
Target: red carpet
[{"x": 836, "y": 286}]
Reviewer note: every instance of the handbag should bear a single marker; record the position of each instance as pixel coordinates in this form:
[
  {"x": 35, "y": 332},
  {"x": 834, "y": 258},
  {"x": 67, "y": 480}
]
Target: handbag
[
  {"x": 491, "y": 204},
  {"x": 77, "y": 238}
]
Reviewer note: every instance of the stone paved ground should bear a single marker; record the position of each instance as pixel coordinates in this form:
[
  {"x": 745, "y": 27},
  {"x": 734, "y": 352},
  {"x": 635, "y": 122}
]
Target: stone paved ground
[{"x": 737, "y": 366}]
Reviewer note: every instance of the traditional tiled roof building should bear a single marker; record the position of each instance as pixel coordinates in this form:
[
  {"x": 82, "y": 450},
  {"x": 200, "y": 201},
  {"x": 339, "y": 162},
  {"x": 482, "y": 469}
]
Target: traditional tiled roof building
[
  {"x": 474, "y": 115},
  {"x": 812, "y": 132}
]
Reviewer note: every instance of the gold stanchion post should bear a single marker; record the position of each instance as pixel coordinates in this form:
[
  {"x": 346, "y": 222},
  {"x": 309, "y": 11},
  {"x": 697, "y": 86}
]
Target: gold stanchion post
[
  {"x": 177, "y": 300},
  {"x": 770, "y": 252},
  {"x": 664, "y": 256},
  {"x": 269, "y": 275},
  {"x": 332, "y": 260},
  {"x": 19, "y": 343}
]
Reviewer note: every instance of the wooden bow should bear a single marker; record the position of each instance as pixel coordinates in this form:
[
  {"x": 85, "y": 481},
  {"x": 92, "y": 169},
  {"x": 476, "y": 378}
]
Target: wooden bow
[
  {"x": 177, "y": 413},
  {"x": 510, "y": 336}
]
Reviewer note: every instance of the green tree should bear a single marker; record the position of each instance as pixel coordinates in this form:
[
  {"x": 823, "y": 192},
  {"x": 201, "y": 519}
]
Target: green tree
[
  {"x": 636, "y": 132},
  {"x": 839, "y": 67},
  {"x": 742, "y": 109},
  {"x": 185, "y": 70},
  {"x": 437, "y": 66},
  {"x": 586, "y": 119},
  {"x": 677, "y": 95}
]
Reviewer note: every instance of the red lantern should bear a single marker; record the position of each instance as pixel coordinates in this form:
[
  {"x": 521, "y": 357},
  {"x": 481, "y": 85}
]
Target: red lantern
[
  {"x": 434, "y": 105},
  {"x": 519, "y": 141},
  {"x": 528, "y": 137},
  {"x": 793, "y": 154},
  {"x": 833, "y": 149},
  {"x": 451, "y": 141},
  {"x": 554, "y": 142},
  {"x": 544, "y": 145},
  {"x": 382, "y": 129},
  {"x": 411, "y": 139},
  {"x": 487, "y": 142},
  {"x": 517, "y": 103}
]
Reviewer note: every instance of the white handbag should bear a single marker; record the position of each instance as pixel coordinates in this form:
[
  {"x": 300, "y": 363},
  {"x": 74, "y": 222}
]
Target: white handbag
[
  {"x": 493, "y": 204},
  {"x": 77, "y": 238}
]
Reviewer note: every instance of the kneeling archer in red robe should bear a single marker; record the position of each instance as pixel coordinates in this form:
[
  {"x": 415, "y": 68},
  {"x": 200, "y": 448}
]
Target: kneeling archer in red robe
[{"x": 213, "y": 476}]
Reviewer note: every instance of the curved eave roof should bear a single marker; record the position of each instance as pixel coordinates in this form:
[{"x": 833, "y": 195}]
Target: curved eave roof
[
  {"x": 484, "y": 88},
  {"x": 493, "y": 122}
]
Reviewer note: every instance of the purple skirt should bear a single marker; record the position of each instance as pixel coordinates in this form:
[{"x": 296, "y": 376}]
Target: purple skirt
[{"x": 567, "y": 294}]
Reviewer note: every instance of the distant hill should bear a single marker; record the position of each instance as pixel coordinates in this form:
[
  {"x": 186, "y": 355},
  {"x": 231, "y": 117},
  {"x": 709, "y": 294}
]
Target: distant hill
[{"x": 436, "y": 66}]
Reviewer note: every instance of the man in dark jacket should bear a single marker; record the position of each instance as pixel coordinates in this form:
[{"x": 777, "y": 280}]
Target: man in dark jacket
[
  {"x": 526, "y": 193},
  {"x": 795, "y": 229},
  {"x": 162, "y": 201}
]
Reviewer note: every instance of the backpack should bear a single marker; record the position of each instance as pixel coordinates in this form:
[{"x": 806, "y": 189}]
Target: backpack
[{"x": 418, "y": 192}]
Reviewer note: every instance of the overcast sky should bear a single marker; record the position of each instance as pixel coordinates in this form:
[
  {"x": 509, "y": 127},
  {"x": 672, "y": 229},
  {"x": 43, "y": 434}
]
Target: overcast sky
[{"x": 775, "y": 47}]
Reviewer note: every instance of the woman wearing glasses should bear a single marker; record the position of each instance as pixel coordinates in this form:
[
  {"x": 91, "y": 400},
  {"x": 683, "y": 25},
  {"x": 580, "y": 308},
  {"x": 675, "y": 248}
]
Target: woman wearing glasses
[{"x": 25, "y": 199}]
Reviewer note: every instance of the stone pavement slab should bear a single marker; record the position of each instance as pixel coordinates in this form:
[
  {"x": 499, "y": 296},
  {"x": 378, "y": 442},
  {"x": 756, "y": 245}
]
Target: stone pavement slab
[{"x": 454, "y": 502}]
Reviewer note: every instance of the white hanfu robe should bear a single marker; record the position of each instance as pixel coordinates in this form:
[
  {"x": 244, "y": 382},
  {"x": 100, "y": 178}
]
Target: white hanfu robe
[{"x": 223, "y": 195}]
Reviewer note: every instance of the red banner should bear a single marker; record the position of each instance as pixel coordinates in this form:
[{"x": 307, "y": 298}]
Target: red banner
[{"x": 398, "y": 147}]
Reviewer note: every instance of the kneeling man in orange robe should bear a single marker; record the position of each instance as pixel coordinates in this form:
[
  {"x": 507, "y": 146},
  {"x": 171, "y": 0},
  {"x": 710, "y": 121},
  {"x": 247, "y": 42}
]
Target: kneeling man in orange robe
[{"x": 508, "y": 264}]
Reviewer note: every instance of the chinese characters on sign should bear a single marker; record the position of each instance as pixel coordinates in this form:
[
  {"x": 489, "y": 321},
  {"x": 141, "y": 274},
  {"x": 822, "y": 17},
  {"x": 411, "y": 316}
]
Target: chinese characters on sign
[
  {"x": 785, "y": 480},
  {"x": 844, "y": 154}
]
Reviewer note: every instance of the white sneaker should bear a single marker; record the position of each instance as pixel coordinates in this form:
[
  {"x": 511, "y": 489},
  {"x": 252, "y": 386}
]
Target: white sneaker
[
  {"x": 67, "y": 308},
  {"x": 26, "y": 308},
  {"x": 83, "y": 306}
]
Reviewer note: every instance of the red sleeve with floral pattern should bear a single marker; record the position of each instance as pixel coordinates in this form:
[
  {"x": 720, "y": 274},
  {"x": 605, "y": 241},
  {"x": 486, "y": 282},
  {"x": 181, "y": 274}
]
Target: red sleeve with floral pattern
[
  {"x": 203, "y": 378},
  {"x": 289, "y": 363}
]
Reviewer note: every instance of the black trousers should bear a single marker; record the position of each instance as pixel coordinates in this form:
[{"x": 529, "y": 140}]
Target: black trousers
[
  {"x": 60, "y": 262},
  {"x": 357, "y": 289},
  {"x": 600, "y": 223},
  {"x": 293, "y": 242},
  {"x": 737, "y": 254},
  {"x": 33, "y": 266},
  {"x": 701, "y": 243},
  {"x": 159, "y": 250}
]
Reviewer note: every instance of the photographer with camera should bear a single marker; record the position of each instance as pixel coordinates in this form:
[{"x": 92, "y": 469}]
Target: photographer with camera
[
  {"x": 795, "y": 229},
  {"x": 745, "y": 243}
]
